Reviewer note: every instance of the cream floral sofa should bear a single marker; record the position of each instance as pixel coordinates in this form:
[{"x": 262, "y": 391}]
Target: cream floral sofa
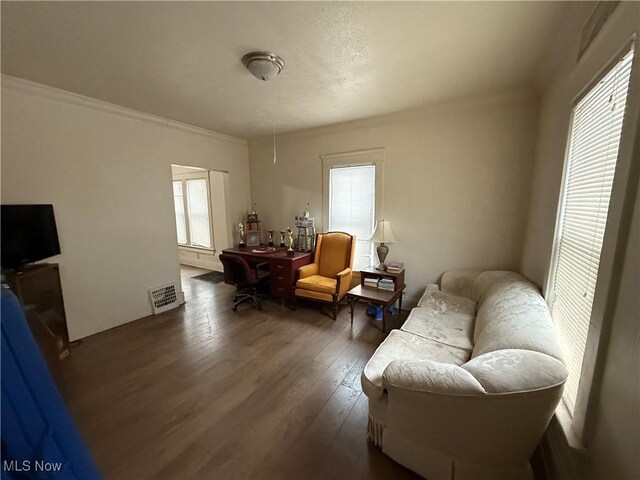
[{"x": 466, "y": 388}]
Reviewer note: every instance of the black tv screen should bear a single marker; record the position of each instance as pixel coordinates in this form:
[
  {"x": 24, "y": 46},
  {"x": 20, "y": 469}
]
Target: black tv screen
[{"x": 29, "y": 234}]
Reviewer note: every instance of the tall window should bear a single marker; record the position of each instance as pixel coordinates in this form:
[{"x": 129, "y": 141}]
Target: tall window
[
  {"x": 588, "y": 180},
  {"x": 352, "y": 193},
  {"x": 193, "y": 217}
]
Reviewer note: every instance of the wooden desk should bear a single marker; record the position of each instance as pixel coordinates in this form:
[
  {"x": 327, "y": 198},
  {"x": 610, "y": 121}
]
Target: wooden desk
[{"x": 282, "y": 267}]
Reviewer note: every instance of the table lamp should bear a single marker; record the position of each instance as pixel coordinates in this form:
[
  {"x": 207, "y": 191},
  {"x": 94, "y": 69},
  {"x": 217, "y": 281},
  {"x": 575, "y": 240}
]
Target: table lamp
[{"x": 383, "y": 234}]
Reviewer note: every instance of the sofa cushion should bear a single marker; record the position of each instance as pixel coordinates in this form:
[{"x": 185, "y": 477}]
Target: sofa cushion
[
  {"x": 459, "y": 282},
  {"x": 516, "y": 371},
  {"x": 513, "y": 315},
  {"x": 443, "y": 302},
  {"x": 401, "y": 345},
  {"x": 318, "y": 283},
  {"x": 452, "y": 328}
]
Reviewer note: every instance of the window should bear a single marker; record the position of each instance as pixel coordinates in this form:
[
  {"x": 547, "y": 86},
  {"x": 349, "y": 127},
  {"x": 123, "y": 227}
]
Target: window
[
  {"x": 193, "y": 219},
  {"x": 352, "y": 197},
  {"x": 352, "y": 191},
  {"x": 588, "y": 180}
]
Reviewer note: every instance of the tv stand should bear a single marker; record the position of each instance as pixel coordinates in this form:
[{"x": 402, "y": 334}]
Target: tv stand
[{"x": 39, "y": 290}]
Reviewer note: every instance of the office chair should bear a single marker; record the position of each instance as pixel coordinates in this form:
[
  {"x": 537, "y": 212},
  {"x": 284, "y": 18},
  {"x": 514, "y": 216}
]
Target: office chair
[{"x": 238, "y": 273}]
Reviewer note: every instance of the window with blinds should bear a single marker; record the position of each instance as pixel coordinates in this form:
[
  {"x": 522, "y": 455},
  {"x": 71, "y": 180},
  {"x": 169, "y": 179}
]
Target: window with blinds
[
  {"x": 588, "y": 180},
  {"x": 352, "y": 192},
  {"x": 193, "y": 217}
]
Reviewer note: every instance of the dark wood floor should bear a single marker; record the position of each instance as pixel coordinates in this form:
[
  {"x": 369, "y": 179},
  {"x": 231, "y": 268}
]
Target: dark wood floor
[{"x": 201, "y": 392}]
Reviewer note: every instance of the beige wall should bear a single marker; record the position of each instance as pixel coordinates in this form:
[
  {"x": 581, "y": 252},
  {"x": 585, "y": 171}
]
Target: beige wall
[
  {"x": 107, "y": 171},
  {"x": 456, "y": 180},
  {"x": 612, "y": 430}
]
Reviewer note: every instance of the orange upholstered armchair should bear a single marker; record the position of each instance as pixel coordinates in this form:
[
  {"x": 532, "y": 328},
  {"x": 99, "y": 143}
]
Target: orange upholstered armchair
[{"x": 328, "y": 278}]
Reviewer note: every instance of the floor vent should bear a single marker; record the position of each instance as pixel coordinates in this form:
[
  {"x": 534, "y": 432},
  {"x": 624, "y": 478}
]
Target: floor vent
[{"x": 163, "y": 298}]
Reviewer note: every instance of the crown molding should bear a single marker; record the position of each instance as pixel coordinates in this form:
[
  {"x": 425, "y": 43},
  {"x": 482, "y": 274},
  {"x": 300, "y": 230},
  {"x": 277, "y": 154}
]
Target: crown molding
[
  {"x": 39, "y": 90},
  {"x": 353, "y": 153}
]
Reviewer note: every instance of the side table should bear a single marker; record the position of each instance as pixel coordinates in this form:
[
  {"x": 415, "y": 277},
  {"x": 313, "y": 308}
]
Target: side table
[{"x": 377, "y": 296}]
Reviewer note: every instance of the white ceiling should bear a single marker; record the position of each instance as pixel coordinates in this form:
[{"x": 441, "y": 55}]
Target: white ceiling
[{"x": 344, "y": 61}]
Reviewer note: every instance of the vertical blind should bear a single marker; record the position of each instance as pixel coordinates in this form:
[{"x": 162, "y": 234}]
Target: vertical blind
[
  {"x": 352, "y": 192},
  {"x": 591, "y": 162}
]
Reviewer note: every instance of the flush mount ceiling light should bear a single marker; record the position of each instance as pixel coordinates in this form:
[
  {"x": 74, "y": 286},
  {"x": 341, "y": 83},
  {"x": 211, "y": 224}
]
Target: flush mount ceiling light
[{"x": 263, "y": 65}]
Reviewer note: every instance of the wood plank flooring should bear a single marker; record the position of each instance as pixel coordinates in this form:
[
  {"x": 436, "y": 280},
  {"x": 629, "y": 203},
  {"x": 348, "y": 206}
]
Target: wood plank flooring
[{"x": 202, "y": 392}]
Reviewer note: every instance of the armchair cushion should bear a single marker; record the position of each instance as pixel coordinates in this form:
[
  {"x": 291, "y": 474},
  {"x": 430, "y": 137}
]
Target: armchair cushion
[
  {"x": 317, "y": 283},
  {"x": 310, "y": 294},
  {"x": 335, "y": 254}
]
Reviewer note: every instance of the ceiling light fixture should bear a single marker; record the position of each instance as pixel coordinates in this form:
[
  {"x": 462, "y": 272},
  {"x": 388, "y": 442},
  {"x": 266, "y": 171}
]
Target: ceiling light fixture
[{"x": 263, "y": 65}]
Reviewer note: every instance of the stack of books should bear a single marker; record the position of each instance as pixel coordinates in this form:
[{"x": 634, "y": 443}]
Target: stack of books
[
  {"x": 371, "y": 282},
  {"x": 387, "y": 284},
  {"x": 395, "y": 267}
]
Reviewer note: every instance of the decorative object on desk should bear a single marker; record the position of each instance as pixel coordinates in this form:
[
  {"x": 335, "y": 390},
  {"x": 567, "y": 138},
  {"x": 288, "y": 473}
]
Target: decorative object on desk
[
  {"x": 253, "y": 216},
  {"x": 263, "y": 250},
  {"x": 395, "y": 267},
  {"x": 241, "y": 243},
  {"x": 383, "y": 234},
  {"x": 306, "y": 236},
  {"x": 211, "y": 277},
  {"x": 290, "y": 250},
  {"x": 271, "y": 238},
  {"x": 282, "y": 245},
  {"x": 254, "y": 227}
]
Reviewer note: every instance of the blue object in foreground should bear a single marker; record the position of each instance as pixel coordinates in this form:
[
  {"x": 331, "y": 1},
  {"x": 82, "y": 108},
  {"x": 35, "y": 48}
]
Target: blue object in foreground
[{"x": 39, "y": 439}]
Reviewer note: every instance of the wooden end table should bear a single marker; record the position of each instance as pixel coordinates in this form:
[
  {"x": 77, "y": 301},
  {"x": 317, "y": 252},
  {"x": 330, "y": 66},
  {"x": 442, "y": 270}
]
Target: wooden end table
[{"x": 377, "y": 296}]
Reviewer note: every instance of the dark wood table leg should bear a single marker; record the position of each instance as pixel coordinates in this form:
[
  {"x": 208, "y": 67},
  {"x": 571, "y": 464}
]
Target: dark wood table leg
[
  {"x": 384, "y": 318},
  {"x": 400, "y": 304},
  {"x": 352, "y": 301}
]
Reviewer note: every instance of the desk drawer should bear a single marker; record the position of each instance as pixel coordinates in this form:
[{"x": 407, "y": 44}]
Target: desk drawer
[{"x": 281, "y": 279}]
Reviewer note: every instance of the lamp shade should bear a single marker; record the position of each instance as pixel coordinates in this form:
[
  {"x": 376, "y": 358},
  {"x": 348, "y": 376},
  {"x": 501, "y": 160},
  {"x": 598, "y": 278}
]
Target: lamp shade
[{"x": 383, "y": 232}]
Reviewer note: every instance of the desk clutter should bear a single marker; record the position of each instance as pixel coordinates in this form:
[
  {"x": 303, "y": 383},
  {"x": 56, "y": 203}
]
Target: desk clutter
[{"x": 250, "y": 233}]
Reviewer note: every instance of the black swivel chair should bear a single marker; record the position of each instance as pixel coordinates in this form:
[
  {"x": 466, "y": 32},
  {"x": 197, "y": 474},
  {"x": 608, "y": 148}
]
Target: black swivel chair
[{"x": 237, "y": 272}]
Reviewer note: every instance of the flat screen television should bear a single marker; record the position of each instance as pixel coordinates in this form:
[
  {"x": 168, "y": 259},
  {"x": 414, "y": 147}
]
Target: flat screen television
[{"x": 28, "y": 234}]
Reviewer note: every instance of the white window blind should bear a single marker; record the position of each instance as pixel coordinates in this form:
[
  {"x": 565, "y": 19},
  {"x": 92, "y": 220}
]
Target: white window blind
[
  {"x": 178, "y": 203},
  {"x": 199, "y": 223},
  {"x": 352, "y": 191},
  {"x": 591, "y": 162}
]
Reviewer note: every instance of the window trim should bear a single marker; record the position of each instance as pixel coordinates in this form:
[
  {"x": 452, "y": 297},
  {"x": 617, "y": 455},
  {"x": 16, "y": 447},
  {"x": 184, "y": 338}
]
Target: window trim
[
  {"x": 183, "y": 177},
  {"x": 372, "y": 156},
  {"x": 613, "y": 245}
]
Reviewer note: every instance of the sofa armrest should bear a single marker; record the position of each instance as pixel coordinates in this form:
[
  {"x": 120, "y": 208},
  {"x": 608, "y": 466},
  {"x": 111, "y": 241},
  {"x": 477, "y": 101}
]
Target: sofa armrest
[
  {"x": 344, "y": 282},
  {"x": 308, "y": 270},
  {"x": 424, "y": 397},
  {"x": 430, "y": 377}
]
